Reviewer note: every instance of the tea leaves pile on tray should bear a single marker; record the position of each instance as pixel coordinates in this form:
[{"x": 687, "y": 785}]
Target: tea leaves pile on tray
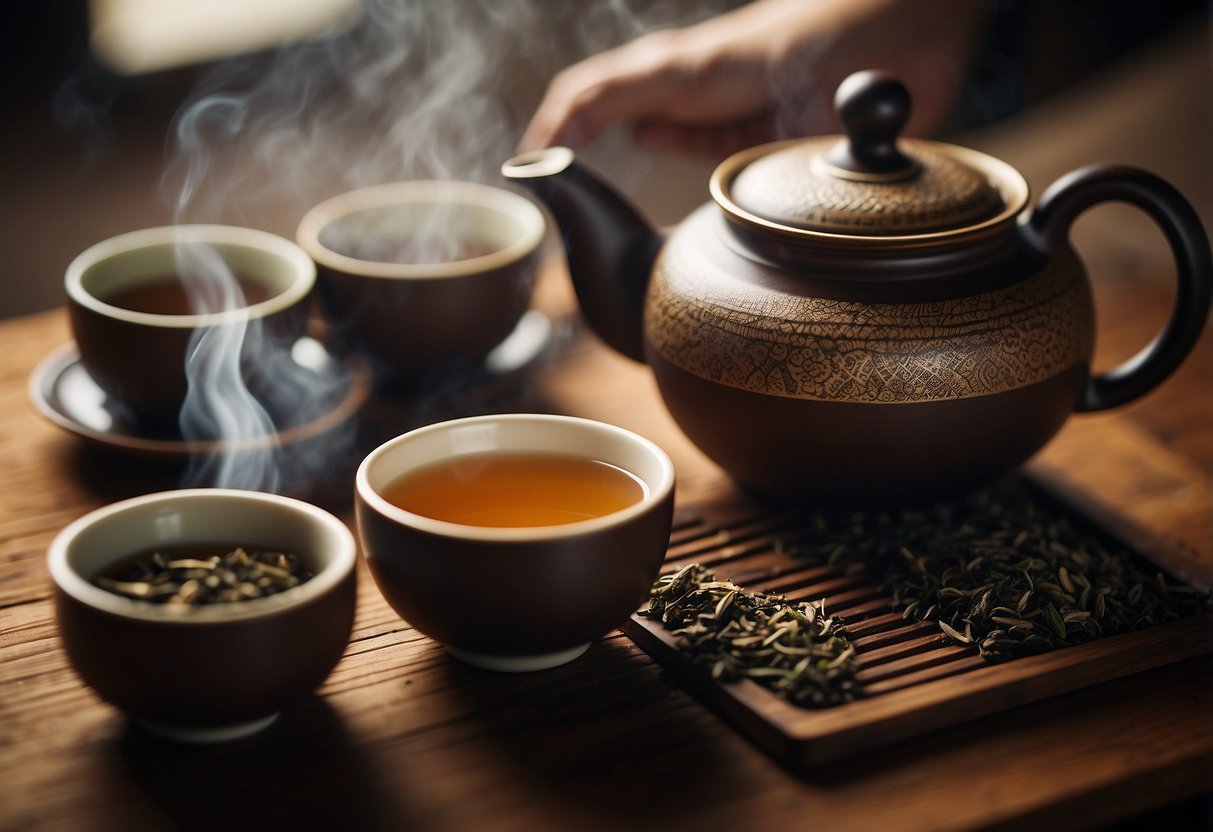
[
  {"x": 188, "y": 579},
  {"x": 1002, "y": 572},
  {"x": 794, "y": 649}
]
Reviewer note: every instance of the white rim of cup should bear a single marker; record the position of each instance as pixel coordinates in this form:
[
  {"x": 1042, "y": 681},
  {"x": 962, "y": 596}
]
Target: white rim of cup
[
  {"x": 656, "y": 491},
  {"x": 75, "y": 585},
  {"x": 167, "y": 235},
  {"x": 421, "y": 191}
]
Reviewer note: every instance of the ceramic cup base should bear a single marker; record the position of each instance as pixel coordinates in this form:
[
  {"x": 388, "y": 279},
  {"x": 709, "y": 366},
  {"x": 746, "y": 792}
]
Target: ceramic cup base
[
  {"x": 209, "y": 734},
  {"x": 518, "y": 664}
]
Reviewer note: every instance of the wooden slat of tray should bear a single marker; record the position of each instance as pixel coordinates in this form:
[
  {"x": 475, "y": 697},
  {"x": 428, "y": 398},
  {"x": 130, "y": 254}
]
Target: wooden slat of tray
[{"x": 914, "y": 679}]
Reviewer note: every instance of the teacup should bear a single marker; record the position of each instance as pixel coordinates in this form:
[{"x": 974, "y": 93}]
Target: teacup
[
  {"x": 499, "y": 591},
  {"x": 204, "y": 672},
  {"x": 424, "y": 276},
  {"x": 139, "y": 302}
]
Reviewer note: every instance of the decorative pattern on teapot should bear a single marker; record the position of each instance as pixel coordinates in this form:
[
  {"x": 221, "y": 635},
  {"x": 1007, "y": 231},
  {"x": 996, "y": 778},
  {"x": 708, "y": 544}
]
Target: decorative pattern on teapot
[
  {"x": 798, "y": 187},
  {"x": 755, "y": 339}
]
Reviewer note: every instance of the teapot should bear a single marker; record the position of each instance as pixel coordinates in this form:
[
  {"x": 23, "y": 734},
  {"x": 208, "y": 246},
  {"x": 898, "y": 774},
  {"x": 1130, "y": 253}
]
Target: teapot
[{"x": 867, "y": 317}]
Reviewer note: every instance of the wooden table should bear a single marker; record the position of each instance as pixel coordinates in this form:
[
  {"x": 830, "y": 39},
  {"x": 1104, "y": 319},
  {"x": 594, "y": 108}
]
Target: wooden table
[{"x": 402, "y": 737}]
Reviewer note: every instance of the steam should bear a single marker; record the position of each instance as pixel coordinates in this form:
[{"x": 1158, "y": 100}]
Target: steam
[
  {"x": 219, "y": 404},
  {"x": 411, "y": 90}
]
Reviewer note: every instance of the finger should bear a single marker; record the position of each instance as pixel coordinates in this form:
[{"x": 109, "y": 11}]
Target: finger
[
  {"x": 662, "y": 75},
  {"x": 589, "y": 97}
]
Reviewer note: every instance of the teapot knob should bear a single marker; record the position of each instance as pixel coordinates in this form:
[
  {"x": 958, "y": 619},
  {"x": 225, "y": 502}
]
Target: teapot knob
[{"x": 873, "y": 107}]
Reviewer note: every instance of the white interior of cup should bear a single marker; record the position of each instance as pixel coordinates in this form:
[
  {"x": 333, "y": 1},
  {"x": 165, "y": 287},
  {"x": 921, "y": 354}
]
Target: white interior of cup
[
  {"x": 129, "y": 260},
  {"x": 111, "y": 534},
  {"x": 515, "y": 432},
  {"x": 511, "y": 225}
]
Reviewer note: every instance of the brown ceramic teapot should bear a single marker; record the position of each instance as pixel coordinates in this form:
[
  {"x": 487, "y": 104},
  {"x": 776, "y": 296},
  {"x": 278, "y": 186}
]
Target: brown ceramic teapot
[{"x": 867, "y": 317}]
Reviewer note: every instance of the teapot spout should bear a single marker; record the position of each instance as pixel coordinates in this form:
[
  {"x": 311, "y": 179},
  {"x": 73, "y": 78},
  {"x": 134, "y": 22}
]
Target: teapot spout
[{"x": 609, "y": 246}]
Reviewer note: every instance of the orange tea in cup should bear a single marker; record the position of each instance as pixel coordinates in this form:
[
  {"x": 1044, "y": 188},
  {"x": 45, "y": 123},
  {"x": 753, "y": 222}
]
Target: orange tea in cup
[{"x": 504, "y": 490}]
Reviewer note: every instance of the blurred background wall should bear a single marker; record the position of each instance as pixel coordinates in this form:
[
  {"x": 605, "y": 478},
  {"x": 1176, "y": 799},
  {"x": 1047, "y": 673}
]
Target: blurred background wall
[{"x": 91, "y": 95}]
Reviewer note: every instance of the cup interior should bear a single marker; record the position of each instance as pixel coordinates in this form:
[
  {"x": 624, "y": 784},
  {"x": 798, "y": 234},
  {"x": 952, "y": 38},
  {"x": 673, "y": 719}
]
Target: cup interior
[
  {"x": 99, "y": 540},
  {"x": 422, "y": 229},
  {"x": 511, "y": 433},
  {"x": 230, "y": 272}
]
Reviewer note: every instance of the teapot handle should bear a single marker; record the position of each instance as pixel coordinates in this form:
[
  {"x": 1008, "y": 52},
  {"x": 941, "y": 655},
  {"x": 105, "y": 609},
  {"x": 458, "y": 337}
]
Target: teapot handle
[{"x": 1049, "y": 226}]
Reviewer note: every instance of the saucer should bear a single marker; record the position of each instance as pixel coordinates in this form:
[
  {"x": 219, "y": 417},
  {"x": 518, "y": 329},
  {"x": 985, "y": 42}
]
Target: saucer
[
  {"x": 528, "y": 341},
  {"x": 63, "y": 392},
  {"x": 462, "y": 378}
]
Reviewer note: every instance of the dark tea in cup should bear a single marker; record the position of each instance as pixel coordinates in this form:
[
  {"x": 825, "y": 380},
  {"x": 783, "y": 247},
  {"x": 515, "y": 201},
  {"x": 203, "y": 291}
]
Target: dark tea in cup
[
  {"x": 139, "y": 302},
  {"x": 412, "y": 249},
  {"x": 169, "y": 294}
]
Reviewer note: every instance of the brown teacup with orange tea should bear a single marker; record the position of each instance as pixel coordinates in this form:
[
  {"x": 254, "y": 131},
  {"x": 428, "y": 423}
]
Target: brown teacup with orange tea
[
  {"x": 424, "y": 276},
  {"x": 515, "y": 540},
  {"x": 139, "y": 303}
]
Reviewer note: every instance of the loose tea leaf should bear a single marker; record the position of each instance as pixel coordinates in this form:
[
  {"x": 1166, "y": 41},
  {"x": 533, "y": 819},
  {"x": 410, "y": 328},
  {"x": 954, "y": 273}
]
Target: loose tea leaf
[
  {"x": 794, "y": 649},
  {"x": 237, "y": 575},
  {"x": 1003, "y": 572}
]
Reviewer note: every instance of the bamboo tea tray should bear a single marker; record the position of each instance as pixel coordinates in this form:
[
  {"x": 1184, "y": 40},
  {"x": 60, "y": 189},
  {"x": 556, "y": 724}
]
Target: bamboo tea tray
[{"x": 915, "y": 680}]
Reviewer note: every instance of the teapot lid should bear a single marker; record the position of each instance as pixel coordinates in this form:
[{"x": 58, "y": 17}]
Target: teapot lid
[{"x": 869, "y": 183}]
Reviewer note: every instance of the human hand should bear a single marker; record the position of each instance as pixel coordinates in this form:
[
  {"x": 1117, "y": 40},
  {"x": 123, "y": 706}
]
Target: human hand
[{"x": 765, "y": 71}]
